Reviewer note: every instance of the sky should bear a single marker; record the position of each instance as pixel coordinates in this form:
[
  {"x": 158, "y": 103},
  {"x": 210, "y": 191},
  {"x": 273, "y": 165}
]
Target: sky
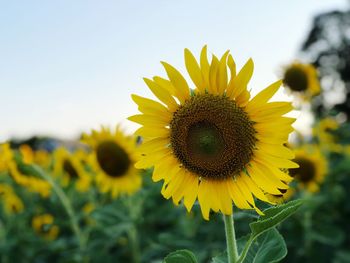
[{"x": 70, "y": 66}]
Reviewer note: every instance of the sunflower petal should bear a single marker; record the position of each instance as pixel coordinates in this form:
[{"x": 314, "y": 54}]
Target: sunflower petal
[
  {"x": 182, "y": 90},
  {"x": 194, "y": 71}
]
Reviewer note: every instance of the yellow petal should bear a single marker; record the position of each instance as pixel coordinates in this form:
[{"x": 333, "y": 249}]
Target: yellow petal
[
  {"x": 275, "y": 161},
  {"x": 263, "y": 181},
  {"x": 162, "y": 94},
  {"x": 166, "y": 84},
  {"x": 152, "y": 132},
  {"x": 212, "y": 75},
  {"x": 240, "y": 81},
  {"x": 253, "y": 187},
  {"x": 273, "y": 108},
  {"x": 152, "y": 107},
  {"x": 224, "y": 198},
  {"x": 153, "y": 145},
  {"x": 191, "y": 192},
  {"x": 194, "y": 71},
  {"x": 236, "y": 195},
  {"x": 222, "y": 74},
  {"x": 204, "y": 198},
  {"x": 264, "y": 96},
  {"x": 276, "y": 150},
  {"x": 148, "y": 120},
  {"x": 205, "y": 66},
  {"x": 148, "y": 161},
  {"x": 182, "y": 90}
]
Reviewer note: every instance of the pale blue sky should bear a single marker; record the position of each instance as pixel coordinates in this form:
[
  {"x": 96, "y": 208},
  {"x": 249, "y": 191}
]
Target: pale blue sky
[{"x": 69, "y": 66}]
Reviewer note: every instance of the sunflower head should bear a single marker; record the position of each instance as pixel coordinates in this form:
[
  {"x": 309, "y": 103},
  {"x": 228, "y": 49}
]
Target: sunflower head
[
  {"x": 212, "y": 142},
  {"x": 6, "y": 155},
  {"x": 312, "y": 168},
  {"x": 44, "y": 226},
  {"x": 112, "y": 159},
  {"x": 302, "y": 79},
  {"x": 69, "y": 168},
  {"x": 324, "y": 130},
  {"x": 11, "y": 202}
]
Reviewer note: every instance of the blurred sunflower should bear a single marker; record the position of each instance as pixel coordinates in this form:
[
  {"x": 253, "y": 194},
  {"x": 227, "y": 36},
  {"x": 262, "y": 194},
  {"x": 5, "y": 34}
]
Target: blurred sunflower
[
  {"x": 32, "y": 183},
  {"x": 69, "y": 168},
  {"x": 324, "y": 128},
  {"x": 312, "y": 168},
  {"x": 44, "y": 226},
  {"x": 214, "y": 142},
  {"x": 39, "y": 157},
  {"x": 5, "y": 155},
  {"x": 284, "y": 196},
  {"x": 11, "y": 202},
  {"x": 112, "y": 160},
  {"x": 302, "y": 79}
]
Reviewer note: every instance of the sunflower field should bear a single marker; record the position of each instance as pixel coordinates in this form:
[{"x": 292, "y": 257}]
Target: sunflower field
[{"x": 212, "y": 173}]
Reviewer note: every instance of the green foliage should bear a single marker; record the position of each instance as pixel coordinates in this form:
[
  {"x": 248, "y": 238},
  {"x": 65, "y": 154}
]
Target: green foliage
[
  {"x": 268, "y": 247},
  {"x": 180, "y": 256},
  {"x": 274, "y": 216}
]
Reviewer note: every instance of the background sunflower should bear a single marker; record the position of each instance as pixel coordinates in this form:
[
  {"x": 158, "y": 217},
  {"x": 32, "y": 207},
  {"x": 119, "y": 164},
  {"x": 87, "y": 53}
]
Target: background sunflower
[{"x": 112, "y": 160}]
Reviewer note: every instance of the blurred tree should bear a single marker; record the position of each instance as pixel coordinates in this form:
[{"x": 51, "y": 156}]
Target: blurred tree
[{"x": 328, "y": 47}]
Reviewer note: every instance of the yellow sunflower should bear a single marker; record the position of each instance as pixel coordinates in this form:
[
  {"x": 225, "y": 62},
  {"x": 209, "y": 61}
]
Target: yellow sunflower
[
  {"x": 214, "y": 142},
  {"x": 324, "y": 128},
  {"x": 6, "y": 155},
  {"x": 44, "y": 226},
  {"x": 302, "y": 79},
  {"x": 28, "y": 181},
  {"x": 112, "y": 160},
  {"x": 69, "y": 167},
  {"x": 11, "y": 202},
  {"x": 312, "y": 168},
  {"x": 284, "y": 196},
  {"x": 39, "y": 157}
]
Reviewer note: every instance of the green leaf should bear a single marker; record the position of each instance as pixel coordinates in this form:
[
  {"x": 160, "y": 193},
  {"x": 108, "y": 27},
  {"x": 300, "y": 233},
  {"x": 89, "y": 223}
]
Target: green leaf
[
  {"x": 180, "y": 256},
  {"x": 221, "y": 258},
  {"x": 268, "y": 247},
  {"x": 273, "y": 216}
]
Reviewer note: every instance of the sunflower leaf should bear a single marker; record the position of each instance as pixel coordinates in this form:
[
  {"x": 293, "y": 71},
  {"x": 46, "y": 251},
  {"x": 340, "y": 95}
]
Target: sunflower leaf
[
  {"x": 273, "y": 216},
  {"x": 221, "y": 258},
  {"x": 180, "y": 256},
  {"x": 268, "y": 247}
]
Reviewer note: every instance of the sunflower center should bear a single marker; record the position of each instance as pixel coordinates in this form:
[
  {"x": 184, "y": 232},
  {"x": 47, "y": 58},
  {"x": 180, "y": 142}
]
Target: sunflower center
[
  {"x": 296, "y": 79},
  {"x": 69, "y": 169},
  {"x": 112, "y": 158},
  {"x": 306, "y": 171},
  {"x": 212, "y": 136}
]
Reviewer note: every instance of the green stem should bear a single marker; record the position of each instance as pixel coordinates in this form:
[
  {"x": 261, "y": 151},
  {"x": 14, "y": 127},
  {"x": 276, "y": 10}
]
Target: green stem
[
  {"x": 232, "y": 251},
  {"x": 66, "y": 204},
  {"x": 132, "y": 233},
  {"x": 134, "y": 242},
  {"x": 246, "y": 249}
]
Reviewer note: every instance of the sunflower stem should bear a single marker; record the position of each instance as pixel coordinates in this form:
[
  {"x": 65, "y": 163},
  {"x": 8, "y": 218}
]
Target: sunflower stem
[
  {"x": 232, "y": 251},
  {"x": 67, "y": 206}
]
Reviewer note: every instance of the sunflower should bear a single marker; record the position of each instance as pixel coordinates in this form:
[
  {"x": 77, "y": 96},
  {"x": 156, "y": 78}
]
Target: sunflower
[
  {"x": 5, "y": 156},
  {"x": 11, "y": 202},
  {"x": 21, "y": 177},
  {"x": 69, "y": 167},
  {"x": 324, "y": 130},
  {"x": 284, "y": 196},
  {"x": 30, "y": 156},
  {"x": 112, "y": 160},
  {"x": 44, "y": 226},
  {"x": 302, "y": 79},
  {"x": 213, "y": 142},
  {"x": 312, "y": 168}
]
